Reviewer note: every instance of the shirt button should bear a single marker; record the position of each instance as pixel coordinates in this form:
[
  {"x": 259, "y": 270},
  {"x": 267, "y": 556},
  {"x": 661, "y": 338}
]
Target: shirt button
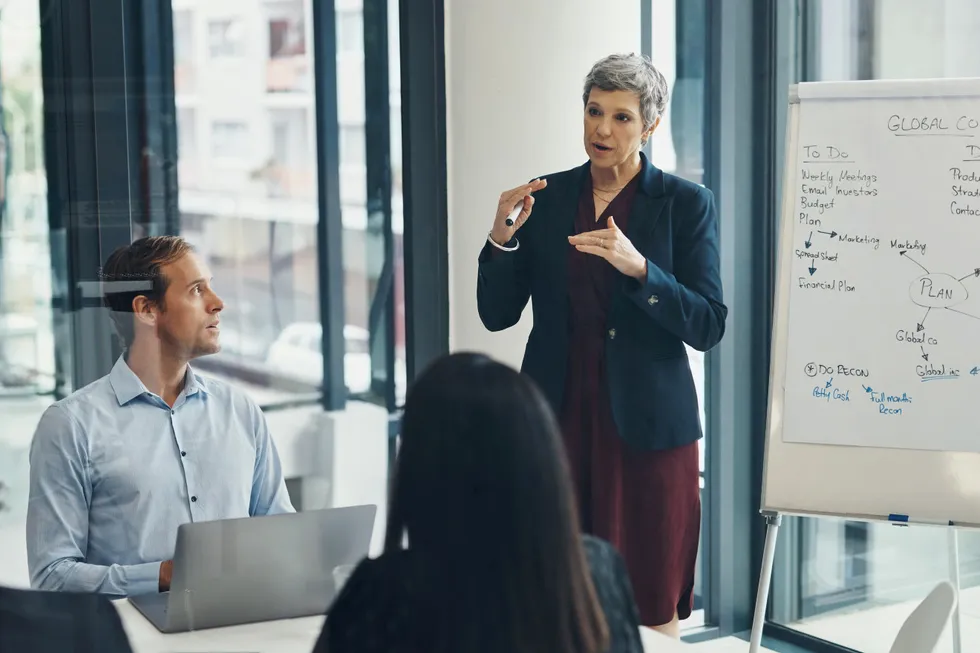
[
  {"x": 653, "y": 299},
  {"x": 194, "y": 499},
  {"x": 183, "y": 453},
  {"x": 612, "y": 333}
]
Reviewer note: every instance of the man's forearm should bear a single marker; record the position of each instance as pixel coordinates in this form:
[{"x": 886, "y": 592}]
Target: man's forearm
[{"x": 114, "y": 580}]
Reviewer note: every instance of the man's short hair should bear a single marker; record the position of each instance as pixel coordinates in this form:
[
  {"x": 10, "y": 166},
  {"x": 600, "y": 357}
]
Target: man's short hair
[{"x": 135, "y": 270}]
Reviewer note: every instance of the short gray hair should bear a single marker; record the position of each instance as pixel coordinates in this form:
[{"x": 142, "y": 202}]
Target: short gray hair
[{"x": 633, "y": 73}]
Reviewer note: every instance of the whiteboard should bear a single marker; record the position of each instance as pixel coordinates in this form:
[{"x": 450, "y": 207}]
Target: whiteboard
[{"x": 875, "y": 367}]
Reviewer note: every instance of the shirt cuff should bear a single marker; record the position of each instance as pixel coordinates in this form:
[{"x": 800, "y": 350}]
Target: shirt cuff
[
  {"x": 143, "y": 578},
  {"x": 510, "y": 246}
]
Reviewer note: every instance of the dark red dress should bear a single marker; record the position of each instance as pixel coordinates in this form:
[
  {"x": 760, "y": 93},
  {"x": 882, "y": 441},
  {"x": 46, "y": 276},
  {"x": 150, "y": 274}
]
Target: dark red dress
[{"x": 646, "y": 503}]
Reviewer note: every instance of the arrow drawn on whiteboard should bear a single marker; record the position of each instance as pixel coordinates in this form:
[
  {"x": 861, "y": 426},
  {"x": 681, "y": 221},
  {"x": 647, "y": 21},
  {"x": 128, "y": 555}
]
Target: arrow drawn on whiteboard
[
  {"x": 905, "y": 252},
  {"x": 867, "y": 389},
  {"x": 808, "y": 243},
  {"x": 962, "y": 313},
  {"x": 812, "y": 269},
  {"x": 832, "y": 234},
  {"x": 925, "y": 356},
  {"x": 975, "y": 273},
  {"x": 922, "y": 325}
]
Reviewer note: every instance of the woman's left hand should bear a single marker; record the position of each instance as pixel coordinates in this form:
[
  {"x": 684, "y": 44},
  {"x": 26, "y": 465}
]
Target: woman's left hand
[{"x": 613, "y": 245}]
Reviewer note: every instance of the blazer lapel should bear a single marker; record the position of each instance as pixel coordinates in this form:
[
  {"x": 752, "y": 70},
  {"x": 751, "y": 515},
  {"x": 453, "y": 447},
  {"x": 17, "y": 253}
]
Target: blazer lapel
[
  {"x": 648, "y": 205},
  {"x": 559, "y": 218},
  {"x": 567, "y": 205}
]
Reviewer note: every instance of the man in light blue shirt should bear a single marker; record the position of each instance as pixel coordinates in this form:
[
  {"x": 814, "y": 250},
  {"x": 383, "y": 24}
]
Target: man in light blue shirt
[{"x": 117, "y": 466}]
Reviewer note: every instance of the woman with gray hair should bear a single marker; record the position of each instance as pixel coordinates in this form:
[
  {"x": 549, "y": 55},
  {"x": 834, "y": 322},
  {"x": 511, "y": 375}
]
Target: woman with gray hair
[{"x": 621, "y": 264}]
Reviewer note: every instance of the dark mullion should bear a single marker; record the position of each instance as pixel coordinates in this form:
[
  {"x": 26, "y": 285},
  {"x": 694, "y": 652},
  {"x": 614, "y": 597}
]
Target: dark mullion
[
  {"x": 329, "y": 223},
  {"x": 423, "y": 83},
  {"x": 378, "y": 148}
]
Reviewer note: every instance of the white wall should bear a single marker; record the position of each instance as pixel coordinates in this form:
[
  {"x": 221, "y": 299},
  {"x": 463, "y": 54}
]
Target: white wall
[{"x": 514, "y": 74}]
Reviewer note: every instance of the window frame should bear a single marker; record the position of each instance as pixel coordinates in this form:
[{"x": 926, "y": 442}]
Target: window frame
[{"x": 237, "y": 46}]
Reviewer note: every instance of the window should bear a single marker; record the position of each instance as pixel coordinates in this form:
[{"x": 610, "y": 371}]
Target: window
[
  {"x": 229, "y": 139},
  {"x": 350, "y": 32},
  {"x": 183, "y": 37},
  {"x": 185, "y": 68},
  {"x": 288, "y": 64},
  {"x": 226, "y": 38},
  {"x": 352, "y": 145},
  {"x": 854, "y": 583},
  {"x": 27, "y": 321},
  {"x": 187, "y": 133},
  {"x": 286, "y": 39},
  {"x": 291, "y": 163},
  {"x": 287, "y": 29},
  {"x": 677, "y": 146},
  {"x": 254, "y": 217},
  {"x": 679, "y": 53}
]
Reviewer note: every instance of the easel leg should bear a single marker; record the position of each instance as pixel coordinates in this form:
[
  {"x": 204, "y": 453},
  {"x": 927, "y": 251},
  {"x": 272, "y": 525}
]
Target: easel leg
[
  {"x": 954, "y": 578},
  {"x": 773, "y": 521}
]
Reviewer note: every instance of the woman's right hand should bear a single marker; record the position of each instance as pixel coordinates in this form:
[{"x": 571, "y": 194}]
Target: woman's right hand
[{"x": 509, "y": 199}]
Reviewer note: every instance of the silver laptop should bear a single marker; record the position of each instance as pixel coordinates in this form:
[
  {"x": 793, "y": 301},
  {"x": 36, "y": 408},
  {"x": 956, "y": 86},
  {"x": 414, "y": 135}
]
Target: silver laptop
[{"x": 238, "y": 571}]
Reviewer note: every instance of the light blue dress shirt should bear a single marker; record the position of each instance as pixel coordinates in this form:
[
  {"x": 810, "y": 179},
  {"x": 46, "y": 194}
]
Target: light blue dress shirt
[{"x": 114, "y": 472}]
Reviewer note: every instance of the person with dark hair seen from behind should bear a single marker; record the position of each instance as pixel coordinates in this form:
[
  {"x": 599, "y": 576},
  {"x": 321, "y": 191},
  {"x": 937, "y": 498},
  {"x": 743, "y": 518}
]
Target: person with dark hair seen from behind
[
  {"x": 117, "y": 466},
  {"x": 621, "y": 264},
  {"x": 494, "y": 560}
]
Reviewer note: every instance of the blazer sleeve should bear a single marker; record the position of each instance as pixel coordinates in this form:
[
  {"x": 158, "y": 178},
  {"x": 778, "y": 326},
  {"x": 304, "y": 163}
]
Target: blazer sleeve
[
  {"x": 503, "y": 285},
  {"x": 688, "y": 303}
]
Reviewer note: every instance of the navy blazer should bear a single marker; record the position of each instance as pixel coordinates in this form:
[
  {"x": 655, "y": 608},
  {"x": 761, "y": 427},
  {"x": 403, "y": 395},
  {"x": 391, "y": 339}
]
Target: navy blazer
[{"x": 674, "y": 224}]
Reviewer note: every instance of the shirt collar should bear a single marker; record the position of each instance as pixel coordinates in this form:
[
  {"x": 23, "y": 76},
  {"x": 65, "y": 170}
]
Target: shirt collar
[{"x": 127, "y": 386}]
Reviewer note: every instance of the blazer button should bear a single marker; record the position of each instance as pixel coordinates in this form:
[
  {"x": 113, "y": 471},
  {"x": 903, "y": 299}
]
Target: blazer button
[
  {"x": 612, "y": 334},
  {"x": 653, "y": 299}
]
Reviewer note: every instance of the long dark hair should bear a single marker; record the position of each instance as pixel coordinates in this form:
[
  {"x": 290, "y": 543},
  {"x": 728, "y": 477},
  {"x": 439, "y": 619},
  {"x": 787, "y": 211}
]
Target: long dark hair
[{"x": 482, "y": 491}]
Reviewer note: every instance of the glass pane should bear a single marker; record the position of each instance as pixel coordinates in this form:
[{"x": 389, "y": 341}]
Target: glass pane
[
  {"x": 366, "y": 270},
  {"x": 361, "y": 244},
  {"x": 397, "y": 200},
  {"x": 247, "y": 178},
  {"x": 27, "y": 365},
  {"x": 678, "y": 147},
  {"x": 855, "y": 583}
]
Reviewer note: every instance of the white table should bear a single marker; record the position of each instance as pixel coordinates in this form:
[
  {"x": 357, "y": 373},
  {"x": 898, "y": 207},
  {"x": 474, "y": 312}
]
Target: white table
[{"x": 286, "y": 636}]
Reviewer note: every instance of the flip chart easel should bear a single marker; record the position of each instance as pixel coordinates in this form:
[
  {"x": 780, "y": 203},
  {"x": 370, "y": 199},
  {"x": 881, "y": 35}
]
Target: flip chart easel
[{"x": 875, "y": 359}]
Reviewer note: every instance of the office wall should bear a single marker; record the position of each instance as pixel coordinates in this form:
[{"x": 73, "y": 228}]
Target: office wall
[{"x": 514, "y": 73}]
